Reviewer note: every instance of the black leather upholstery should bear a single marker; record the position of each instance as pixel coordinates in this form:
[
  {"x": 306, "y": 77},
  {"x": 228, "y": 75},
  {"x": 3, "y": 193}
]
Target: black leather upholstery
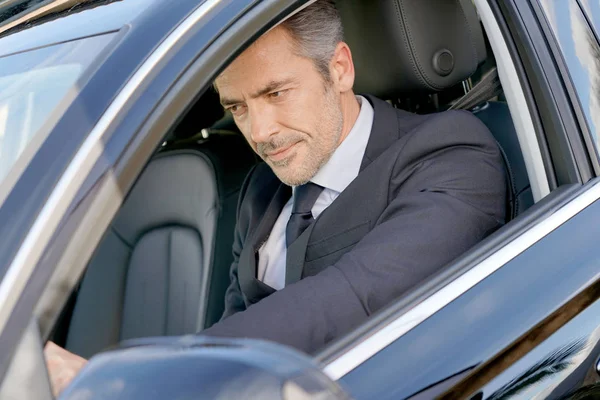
[
  {"x": 232, "y": 159},
  {"x": 396, "y": 47},
  {"x": 411, "y": 45},
  {"x": 163, "y": 266},
  {"x": 145, "y": 278}
]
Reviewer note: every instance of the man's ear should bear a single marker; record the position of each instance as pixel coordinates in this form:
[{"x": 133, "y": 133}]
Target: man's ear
[{"x": 342, "y": 68}]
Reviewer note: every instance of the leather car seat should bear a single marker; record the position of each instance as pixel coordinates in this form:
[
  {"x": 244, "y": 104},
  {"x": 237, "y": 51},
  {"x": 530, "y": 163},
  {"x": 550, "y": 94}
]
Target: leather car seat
[
  {"x": 163, "y": 266},
  {"x": 404, "y": 47}
]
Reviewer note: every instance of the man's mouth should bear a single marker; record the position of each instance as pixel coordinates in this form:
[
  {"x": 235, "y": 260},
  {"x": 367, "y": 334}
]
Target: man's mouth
[{"x": 281, "y": 153}]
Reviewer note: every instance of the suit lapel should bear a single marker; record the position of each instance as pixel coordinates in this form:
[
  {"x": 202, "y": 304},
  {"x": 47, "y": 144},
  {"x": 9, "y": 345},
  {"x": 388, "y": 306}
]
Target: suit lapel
[
  {"x": 295, "y": 256},
  {"x": 384, "y": 132},
  {"x": 281, "y": 197},
  {"x": 252, "y": 287}
]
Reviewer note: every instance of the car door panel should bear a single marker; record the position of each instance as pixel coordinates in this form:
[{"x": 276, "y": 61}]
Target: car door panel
[{"x": 496, "y": 322}]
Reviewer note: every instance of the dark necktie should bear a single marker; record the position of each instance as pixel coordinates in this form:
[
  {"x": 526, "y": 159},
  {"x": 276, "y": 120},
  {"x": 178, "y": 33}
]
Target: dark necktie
[{"x": 305, "y": 197}]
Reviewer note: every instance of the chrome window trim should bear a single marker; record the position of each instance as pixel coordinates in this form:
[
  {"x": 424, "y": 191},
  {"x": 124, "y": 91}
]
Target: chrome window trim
[
  {"x": 37, "y": 239},
  {"x": 370, "y": 345}
]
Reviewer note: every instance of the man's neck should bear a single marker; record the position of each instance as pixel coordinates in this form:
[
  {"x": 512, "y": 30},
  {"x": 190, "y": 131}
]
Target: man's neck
[{"x": 350, "y": 111}]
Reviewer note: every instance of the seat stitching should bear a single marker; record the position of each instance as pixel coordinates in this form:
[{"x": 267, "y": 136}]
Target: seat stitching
[
  {"x": 399, "y": 6},
  {"x": 420, "y": 72},
  {"x": 168, "y": 281},
  {"x": 471, "y": 35}
]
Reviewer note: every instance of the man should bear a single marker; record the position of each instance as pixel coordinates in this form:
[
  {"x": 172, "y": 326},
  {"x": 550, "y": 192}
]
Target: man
[{"x": 356, "y": 203}]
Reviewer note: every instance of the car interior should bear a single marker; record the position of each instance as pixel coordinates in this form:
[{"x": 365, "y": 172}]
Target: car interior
[{"x": 162, "y": 267}]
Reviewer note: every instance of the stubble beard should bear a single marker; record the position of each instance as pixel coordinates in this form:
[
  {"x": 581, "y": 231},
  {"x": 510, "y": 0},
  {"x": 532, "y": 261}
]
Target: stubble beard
[{"x": 319, "y": 148}]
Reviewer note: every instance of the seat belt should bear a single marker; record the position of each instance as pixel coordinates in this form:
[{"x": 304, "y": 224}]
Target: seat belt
[{"x": 488, "y": 87}]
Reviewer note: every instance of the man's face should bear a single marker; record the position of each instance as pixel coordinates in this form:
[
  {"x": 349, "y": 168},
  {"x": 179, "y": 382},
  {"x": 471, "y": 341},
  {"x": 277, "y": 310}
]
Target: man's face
[{"x": 284, "y": 107}]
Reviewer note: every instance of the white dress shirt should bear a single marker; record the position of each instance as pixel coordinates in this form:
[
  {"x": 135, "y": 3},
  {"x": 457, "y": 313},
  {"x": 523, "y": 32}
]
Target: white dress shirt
[{"x": 334, "y": 176}]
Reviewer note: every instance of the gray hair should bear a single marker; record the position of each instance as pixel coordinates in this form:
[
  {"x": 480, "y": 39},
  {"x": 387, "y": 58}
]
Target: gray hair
[{"x": 316, "y": 31}]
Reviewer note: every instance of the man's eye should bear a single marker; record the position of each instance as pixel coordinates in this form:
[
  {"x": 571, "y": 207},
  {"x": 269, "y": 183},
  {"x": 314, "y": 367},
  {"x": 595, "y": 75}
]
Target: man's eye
[
  {"x": 236, "y": 109},
  {"x": 277, "y": 94}
]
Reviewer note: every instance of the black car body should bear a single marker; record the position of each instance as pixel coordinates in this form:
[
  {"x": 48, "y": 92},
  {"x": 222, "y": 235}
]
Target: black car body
[{"x": 516, "y": 317}]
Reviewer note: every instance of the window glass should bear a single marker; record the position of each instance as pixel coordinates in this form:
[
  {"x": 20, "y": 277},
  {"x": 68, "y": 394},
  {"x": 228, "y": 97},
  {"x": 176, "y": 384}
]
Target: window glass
[
  {"x": 32, "y": 85},
  {"x": 581, "y": 52}
]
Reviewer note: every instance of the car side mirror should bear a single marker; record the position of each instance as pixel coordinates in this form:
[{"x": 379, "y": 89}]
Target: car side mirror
[{"x": 202, "y": 367}]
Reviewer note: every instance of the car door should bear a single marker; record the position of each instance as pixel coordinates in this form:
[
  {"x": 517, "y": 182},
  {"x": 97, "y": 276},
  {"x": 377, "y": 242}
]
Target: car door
[{"x": 521, "y": 322}]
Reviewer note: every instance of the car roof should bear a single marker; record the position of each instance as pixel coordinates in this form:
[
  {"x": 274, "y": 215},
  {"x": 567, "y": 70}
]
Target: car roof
[{"x": 42, "y": 23}]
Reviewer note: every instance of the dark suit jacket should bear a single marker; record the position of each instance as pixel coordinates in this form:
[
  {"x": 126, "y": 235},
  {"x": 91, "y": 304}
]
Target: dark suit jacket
[{"x": 429, "y": 188}]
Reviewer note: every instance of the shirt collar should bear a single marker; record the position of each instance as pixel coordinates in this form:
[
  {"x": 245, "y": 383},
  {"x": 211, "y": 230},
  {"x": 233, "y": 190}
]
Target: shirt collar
[{"x": 344, "y": 165}]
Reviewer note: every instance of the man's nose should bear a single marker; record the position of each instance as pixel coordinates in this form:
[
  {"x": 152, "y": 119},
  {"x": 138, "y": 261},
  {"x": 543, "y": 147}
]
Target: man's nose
[{"x": 262, "y": 124}]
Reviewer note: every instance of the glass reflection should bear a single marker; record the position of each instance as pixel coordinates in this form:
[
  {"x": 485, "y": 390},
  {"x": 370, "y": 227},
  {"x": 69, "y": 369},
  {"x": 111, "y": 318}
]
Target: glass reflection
[
  {"x": 581, "y": 52},
  {"x": 33, "y": 87},
  {"x": 558, "y": 367},
  {"x": 555, "y": 362}
]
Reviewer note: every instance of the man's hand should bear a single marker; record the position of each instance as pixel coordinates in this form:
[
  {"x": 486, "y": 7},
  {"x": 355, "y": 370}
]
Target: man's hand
[{"x": 63, "y": 366}]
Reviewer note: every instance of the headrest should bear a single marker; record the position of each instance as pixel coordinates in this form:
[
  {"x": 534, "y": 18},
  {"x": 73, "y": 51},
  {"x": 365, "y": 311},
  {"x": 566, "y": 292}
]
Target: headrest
[
  {"x": 401, "y": 46},
  {"x": 204, "y": 113}
]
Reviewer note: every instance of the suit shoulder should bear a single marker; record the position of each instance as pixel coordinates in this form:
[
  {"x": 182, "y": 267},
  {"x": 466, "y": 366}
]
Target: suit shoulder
[
  {"x": 446, "y": 134},
  {"x": 457, "y": 123},
  {"x": 449, "y": 128}
]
